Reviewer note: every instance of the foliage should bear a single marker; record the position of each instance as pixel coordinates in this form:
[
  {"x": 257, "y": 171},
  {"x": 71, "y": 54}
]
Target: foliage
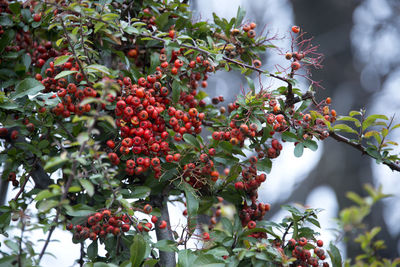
[{"x": 102, "y": 111}]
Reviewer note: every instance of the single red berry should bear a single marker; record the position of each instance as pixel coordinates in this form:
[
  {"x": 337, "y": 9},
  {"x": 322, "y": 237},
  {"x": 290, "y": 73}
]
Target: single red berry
[
  {"x": 206, "y": 236},
  {"x": 251, "y": 224},
  {"x": 111, "y": 144},
  {"x": 295, "y": 65},
  {"x": 37, "y": 17},
  {"x": 295, "y": 29},
  {"x": 147, "y": 209},
  {"x": 162, "y": 225}
]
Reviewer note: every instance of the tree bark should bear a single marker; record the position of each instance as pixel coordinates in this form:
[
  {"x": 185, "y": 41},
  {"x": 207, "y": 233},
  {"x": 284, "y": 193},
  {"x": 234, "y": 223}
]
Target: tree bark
[{"x": 167, "y": 259}]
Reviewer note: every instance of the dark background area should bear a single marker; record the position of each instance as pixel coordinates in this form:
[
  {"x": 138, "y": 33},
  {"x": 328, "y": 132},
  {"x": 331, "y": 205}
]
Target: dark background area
[{"x": 357, "y": 39}]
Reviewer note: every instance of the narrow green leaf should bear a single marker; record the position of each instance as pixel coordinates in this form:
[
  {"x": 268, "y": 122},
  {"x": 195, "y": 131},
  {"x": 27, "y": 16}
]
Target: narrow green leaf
[
  {"x": 298, "y": 150},
  {"x": 344, "y": 128},
  {"x": 27, "y": 87},
  {"x": 250, "y": 82},
  {"x": 61, "y": 60},
  {"x": 239, "y": 17},
  {"x": 186, "y": 258},
  {"x": 64, "y": 73},
  {"x": 335, "y": 256},
  {"x": 138, "y": 250},
  {"x": 175, "y": 91},
  {"x": 370, "y": 120},
  {"x": 311, "y": 144},
  {"x": 92, "y": 250},
  {"x": 289, "y": 137},
  {"x": 190, "y": 139},
  {"x": 88, "y": 186},
  {"x": 140, "y": 192}
]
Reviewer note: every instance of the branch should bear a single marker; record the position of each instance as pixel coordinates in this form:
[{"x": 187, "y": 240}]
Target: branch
[
  {"x": 69, "y": 181},
  {"x": 73, "y": 49},
  {"x": 393, "y": 166}
]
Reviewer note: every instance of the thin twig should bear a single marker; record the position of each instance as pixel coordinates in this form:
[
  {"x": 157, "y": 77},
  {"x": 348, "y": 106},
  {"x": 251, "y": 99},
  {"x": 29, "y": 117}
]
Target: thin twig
[
  {"x": 393, "y": 166},
  {"x": 73, "y": 49}
]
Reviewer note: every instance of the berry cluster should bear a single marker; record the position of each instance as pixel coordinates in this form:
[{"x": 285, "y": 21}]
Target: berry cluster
[
  {"x": 199, "y": 173},
  {"x": 249, "y": 184},
  {"x": 99, "y": 225},
  {"x": 303, "y": 256},
  {"x": 70, "y": 93}
]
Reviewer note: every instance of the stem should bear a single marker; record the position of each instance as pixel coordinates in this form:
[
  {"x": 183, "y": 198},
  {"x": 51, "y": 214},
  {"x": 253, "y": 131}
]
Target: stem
[
  {"x": 393, "y": 166},
  {"x": 20, "y": 241},
  {"x": 81, "y": 261},
  {"x": 73, "y": 49}
]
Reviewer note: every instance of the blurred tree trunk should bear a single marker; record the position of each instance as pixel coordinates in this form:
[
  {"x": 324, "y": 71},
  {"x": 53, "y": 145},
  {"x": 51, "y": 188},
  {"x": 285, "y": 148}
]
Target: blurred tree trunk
[{"x": 340, "y": 167}]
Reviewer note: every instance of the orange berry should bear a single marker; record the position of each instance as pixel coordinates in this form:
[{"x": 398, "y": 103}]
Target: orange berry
[{"x": 295, "y": 29}]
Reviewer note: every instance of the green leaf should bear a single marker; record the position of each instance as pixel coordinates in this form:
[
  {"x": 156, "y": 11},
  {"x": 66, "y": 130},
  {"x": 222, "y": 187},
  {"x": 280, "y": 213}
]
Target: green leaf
[
  {"x": 175, "y": 91},
  {"x": 80, "y": 213},
  {"x": 292, "y": 210},
  {"x": 61, "y": 60},
  {"x": 43, "y": 144},
  {"x": 250, "y": 82},
  {"x": 311, "y": 144},
  {"x": 264, "y": 165},
  {"x": 344, "y": 128},
  {"x": 140, "y": 192},
  {"x": 354, "y": 113},
  {"x": 348, "y": 118},
  {"x": 373, "y": 153},
  {"x": 27, "y": 60},
  {"x": 227, "y": 224},
  {"x": 6, "y": 38},
  {"x": 298, "y": 150},
  {"x": 98, "y": 68},
  {"x": 370, "y": 120},
  {"x": 289, "y": 137},
  {"x": 64, "y": 73},
  {"x": 239, "y": 17},
  {"x": 28, "y": 86},
  {"x": 192, "y": 201},
  {"x": 162, "y": 20},
  {"x": 166, "y": 245},
  {"x": 55, "y": 163},
  {"x": 92, "y": 250},
  {"x": 46, "y": 205},
  {"x": 233, "y": 173},
  {"x": 138, "y": 250},
  {"x": 88, "y": 186},
  {"x": 186, "y": 258},
  {"x": 207, "y": 260},
  {"x": 335, "y": 256},
  {"x": 190, "y": 139},
  {"x": 44, "y": 194}
]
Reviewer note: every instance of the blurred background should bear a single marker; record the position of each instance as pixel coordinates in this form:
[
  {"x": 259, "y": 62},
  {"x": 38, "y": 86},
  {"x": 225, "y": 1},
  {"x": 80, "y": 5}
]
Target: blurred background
[{"x": 360, "y": 42}]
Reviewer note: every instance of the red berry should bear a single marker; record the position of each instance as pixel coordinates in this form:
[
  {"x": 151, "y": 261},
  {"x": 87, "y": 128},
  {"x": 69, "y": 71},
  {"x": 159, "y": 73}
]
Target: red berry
[
  {"x": 251, "y": 224},
  {"x": 239, "y": 185},
  {"x": 147, "y": 209},
  {"x": 206, "y": 236},
  {"x": 37, "y": 17},
  {"x": 295, "y": 29},
  {"x": 154, "y": 219},
  {"x": 162, "y": 225},
  {"x": 111, "y": 144}
]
